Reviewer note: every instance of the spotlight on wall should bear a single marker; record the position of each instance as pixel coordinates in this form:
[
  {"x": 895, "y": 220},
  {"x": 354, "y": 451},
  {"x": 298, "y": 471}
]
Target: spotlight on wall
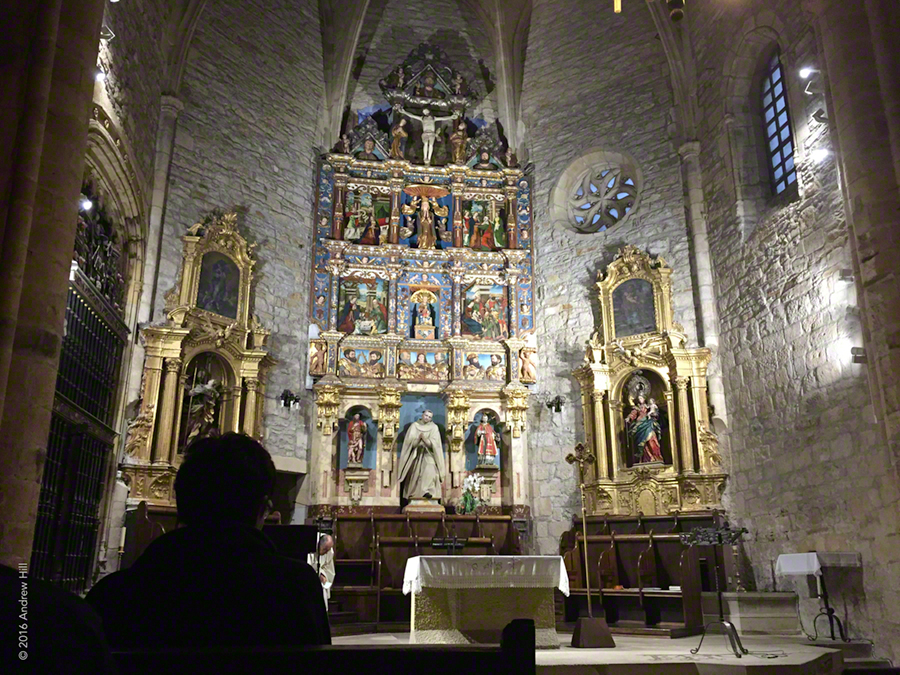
[
  {"x": 806, "y": 72},
  {"x": 100, "y": 75},
  {"x": 676, "y": 9},
  {"x": 617, "y": 6},
  {"x": 86, "y": 204},
  {"x": 819, "y": 155},
  {"x": 106, "y": 33},
  {"x": 859, "y": 355}
]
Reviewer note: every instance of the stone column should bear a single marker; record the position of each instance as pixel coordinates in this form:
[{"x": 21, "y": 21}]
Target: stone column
[
  {"x": 170, "y": 107},
  {"x": 709, "y": 315},
  {"x": 45, "y": 169},
  {"x": 165, "y": 415},
  {"x": 859, "y": 43},
  {"x": 684, "y": 426},
  {"x": 250, "y": 406}
]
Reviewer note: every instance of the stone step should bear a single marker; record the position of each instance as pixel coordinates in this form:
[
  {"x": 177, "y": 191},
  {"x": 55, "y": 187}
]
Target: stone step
[
  {"x": 860, "y": 666},
  {"x": 754, "y": 613}
]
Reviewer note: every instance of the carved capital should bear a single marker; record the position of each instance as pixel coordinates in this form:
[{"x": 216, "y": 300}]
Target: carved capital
[
  {"x": 173, "y": 365},
  {"x": 252, "y": 384},
  {"x": 682, "y": 383},
  {"x": 328, "y": 400},
  {"x": 458, "y": 404}
]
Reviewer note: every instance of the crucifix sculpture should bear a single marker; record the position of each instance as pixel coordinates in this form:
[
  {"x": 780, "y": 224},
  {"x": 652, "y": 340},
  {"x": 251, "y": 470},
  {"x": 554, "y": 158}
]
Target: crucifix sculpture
[{"x": 583, "y": 456}]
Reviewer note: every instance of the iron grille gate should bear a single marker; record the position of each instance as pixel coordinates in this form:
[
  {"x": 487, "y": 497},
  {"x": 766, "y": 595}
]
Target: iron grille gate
[{"x": 81, "y": 442}]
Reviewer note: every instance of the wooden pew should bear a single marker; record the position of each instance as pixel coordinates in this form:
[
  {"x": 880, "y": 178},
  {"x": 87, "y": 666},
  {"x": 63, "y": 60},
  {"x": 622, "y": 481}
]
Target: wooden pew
[{"x": 514, "y": 656}]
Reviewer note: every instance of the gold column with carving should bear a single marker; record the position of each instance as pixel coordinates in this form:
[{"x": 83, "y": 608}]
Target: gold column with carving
[
  {"x": 171, "y": 389},
  {"x": 684, "y": 422},
  {"x": 250, "y": 403},
  {"x": 600, "y": 449}
]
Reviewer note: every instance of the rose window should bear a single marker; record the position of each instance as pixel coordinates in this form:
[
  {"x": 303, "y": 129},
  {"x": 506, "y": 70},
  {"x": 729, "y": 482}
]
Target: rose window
[{"x": 603, "y": 197}]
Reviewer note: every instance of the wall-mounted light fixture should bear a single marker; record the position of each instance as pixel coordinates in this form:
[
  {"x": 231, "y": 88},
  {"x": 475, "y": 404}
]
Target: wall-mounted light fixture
[
  {"x": 85, "y": 204},
  {"x": 676, "y": 9},
  {"x": 859, "y": 355},
  {"x": 289, "y": 399},
  {"x": 556, "y": 404},
  {"x": 106, "y": 33},
  {"x": 99, "y": 75}
]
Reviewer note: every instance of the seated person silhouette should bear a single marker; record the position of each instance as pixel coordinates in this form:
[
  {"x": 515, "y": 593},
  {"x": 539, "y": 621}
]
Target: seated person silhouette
[
  {"x": 62, "y": 633},
  {"x": 216, "y": 580}
]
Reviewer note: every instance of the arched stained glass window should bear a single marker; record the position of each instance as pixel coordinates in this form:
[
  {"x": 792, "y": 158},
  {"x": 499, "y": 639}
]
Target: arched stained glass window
[{"x": 777, "y": 127}]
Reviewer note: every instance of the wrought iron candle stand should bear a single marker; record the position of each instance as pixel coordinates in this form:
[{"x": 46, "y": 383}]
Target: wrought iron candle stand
[{"x": 715, "y": 537}]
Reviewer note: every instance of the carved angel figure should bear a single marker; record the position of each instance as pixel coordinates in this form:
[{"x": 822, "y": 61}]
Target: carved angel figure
[
  {"x": 138, "y": 431},
  {"x": 220, "y": 335}
]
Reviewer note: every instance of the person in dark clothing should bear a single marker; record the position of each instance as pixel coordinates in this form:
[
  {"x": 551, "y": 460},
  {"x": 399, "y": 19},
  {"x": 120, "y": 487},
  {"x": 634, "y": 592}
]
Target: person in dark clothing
[
  {"x": 57, "y": 631},
  {"x": 216, "y": 580}
]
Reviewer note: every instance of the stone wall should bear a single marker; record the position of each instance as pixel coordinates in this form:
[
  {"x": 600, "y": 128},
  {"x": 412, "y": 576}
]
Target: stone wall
[
  {"x": 252, "y": 92},
  {"x": 808, "y": 470},
  {"x": 593, "y": 79},
  {"x": 135, "y": 70},
  {"x": 393, "y": 28}
]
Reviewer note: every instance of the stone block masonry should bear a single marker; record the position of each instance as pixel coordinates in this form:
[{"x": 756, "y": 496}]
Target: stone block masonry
[
  {"x": 593, "y": 79},
  {"x": 252, "y": 92}
]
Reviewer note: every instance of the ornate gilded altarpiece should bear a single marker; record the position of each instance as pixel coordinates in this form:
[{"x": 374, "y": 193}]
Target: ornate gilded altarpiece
[
  {"x": 205, "y": 366},
  {"x": 421, "y": 292},
  {"x": 643, "y": 393}
]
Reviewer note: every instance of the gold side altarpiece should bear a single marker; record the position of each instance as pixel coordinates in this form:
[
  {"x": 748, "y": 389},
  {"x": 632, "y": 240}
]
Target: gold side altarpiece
[
  {"x": 205, "y": 367},
  {"x": 643, "y": 395}
]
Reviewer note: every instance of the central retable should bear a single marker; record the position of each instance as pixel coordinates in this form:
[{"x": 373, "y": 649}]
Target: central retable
[{"x": 466, "y": 599}]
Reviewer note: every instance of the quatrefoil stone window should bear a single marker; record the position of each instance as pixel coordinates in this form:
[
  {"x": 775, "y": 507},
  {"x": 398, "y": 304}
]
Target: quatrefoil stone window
[{"x": 603, "y": 197}]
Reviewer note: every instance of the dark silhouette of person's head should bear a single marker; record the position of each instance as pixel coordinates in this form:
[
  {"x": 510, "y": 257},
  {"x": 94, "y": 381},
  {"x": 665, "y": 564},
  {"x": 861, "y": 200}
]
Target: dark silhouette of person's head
[{"x": 225, "y": 480}]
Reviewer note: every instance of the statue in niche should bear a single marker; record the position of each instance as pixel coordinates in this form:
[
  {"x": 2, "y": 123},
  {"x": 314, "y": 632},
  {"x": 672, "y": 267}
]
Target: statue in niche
[
  {"x": 422, "y": 460},
  {"x": 429, "y": 129},
  {"x": 424, "y": 314},
  {"x": 398, "y": 139},
  {"x": 644, "y": 430},
  {"x": 487, "y": 440},
  {"x": 368, "y": 152},
  {"x": 203, "y": 407},
  {"x": 458, "y": 143},
  {"x": 427, "y": 207},
  {"x": 318, "y": 358},
  {"x": 357, "y": 434},
  {"x": 511, "y": 160}
]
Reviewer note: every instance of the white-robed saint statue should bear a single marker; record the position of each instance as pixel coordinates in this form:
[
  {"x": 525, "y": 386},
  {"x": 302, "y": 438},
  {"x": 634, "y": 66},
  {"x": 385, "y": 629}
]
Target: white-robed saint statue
[
  {"x": 422, "y": 460},
  {"x": 322, "y": 561}
]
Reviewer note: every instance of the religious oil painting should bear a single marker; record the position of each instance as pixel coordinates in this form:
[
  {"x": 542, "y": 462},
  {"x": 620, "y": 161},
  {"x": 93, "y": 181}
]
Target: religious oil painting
[
  {"x": 484, "y": 225},
  {"x": 219, "y": 286},
  {"x": 633, "y": 308},
  {"x": 423, "y": 366},
  {"x": 366, "y": 218},
  {"x": 361, "y": 363},
  {"x": 362, "y": 307},
  {"x": 484, "y": 367},
  {"x": 484, "y": 313}
]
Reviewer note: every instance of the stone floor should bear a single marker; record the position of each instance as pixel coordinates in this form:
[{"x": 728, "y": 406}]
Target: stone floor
[{"x": 651, "y": 656}]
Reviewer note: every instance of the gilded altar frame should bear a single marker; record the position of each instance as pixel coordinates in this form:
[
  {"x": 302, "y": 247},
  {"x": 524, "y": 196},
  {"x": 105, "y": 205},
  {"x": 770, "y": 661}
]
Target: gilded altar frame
[
  {"x": 234, "y": 341},
  {"x": 694, "y": 478}
]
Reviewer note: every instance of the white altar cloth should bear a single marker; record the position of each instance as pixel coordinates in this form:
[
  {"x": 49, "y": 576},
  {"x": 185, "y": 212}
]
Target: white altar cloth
[
  {"x": 465, "y": 599},
  {"x": 480, "y": 571}
]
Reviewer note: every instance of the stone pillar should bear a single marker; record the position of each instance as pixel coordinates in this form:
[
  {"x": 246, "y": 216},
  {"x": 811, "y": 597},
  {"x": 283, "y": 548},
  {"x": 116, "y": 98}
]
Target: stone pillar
[
  {"x": 250, "y": 406},
  {"x": 170, "y": 107},
  {"x": 165, "y": 415},
  {"x": 859, "y": 46},
  {"x": 709, "y": 315},
  {"x": 45, "y": 168},
  {"x": 684, "y": 426}
]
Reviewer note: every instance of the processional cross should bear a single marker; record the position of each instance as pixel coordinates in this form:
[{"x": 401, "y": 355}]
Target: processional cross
[{"x": 583, "y": 456}]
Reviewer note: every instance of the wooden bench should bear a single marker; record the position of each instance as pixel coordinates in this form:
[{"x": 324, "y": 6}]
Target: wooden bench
[{"x": 514, "y": 656}]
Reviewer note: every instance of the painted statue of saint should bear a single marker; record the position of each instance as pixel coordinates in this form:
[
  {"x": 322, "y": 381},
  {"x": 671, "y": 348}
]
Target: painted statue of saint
[
  {"x": 356, "y": 439},
  {"x": 422, "y": 460},
  {"x": 644, "y": 431},
  {"x": 488, "y": 440}
]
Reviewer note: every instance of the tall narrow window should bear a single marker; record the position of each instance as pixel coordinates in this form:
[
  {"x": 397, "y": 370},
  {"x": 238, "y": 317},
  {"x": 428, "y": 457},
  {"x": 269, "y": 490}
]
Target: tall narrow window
[{"x": 777, "y": 125}]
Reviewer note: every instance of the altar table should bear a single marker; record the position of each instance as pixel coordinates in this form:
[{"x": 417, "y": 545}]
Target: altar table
[{"x": 460, "y": 599}]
